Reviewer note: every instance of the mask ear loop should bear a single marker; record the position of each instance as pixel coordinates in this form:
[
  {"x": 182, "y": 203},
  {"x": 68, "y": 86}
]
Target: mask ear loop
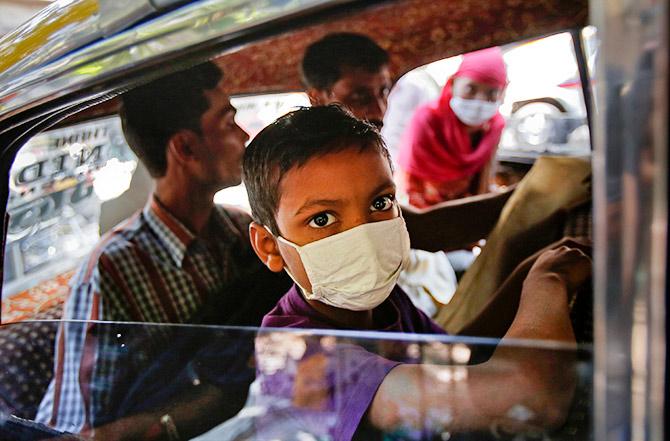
[{"x": 306, "y": 293}]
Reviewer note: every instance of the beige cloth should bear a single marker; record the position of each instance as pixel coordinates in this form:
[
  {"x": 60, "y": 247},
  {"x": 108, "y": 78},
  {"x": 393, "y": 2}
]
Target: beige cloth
[
  {"x": 428, "y": 280},
  {"x": 553, "y": 184}
]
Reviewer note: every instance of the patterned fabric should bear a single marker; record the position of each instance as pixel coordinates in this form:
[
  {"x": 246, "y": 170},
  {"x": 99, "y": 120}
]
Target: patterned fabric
[
  {"x": 26, "y": 351},
  {"x": 414, "y": 32},
  {"x": 25, "y": 305},
  {"x": 150, "y": 269}
]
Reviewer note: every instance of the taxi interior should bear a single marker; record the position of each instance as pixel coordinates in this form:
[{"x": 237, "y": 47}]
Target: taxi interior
[{"x": 54, "y": 215}]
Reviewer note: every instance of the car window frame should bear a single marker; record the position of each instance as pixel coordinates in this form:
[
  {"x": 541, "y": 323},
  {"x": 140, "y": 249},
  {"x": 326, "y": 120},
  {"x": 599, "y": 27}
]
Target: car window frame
[{"x": 51, "y": 110}]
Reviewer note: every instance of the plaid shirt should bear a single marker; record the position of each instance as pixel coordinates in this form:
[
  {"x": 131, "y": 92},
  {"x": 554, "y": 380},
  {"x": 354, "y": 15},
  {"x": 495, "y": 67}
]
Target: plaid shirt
[{"x": 149, "y": 269}]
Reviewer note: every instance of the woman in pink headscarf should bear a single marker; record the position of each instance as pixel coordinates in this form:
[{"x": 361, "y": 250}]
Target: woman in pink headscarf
[{"x": 450, "y": 144}]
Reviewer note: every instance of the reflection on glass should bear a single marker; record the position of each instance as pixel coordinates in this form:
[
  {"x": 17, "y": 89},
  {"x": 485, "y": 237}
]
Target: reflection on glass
[
  {"x": 234, "y": 384},
  {"x": 57, "y": 183}
]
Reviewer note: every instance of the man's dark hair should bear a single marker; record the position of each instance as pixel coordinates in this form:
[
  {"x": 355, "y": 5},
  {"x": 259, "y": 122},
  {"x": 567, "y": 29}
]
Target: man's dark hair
[
  {"x": 151, "y": 114},
  {"x": 292, "y": 141},
  {"x": 325, "y": 59}
]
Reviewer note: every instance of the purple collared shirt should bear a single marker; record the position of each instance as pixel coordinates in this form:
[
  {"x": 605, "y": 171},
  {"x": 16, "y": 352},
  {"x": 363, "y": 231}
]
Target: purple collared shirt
[{"x": 326, "y": 389}]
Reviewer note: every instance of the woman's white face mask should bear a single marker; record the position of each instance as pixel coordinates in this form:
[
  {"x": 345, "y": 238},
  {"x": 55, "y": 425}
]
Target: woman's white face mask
[
  {"x": 355, "y": 269},
  {"x": 473, "y": 112}
]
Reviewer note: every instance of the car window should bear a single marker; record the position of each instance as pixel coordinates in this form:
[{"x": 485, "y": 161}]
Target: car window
[
  {"x": 58, "y": 209},
  {"x": 71, "y": 184},
  {"x": 63, "y": 187},
  {"x": 228, "y": 383},
  {"x": 543, "y": 103},
  {"x": 254, "y": 112}
]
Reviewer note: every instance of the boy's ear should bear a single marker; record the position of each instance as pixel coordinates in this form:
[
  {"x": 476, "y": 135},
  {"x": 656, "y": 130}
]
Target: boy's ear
[
  {"x": 266, "y": 247},
  {"x": 180, "y": 145},
  {"x": 317, "y": 97}
]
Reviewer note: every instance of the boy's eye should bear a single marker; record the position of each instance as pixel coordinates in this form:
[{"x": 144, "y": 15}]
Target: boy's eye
[
  {"x": 382, "y": 203},
  {"x": 321, "y": 220}
]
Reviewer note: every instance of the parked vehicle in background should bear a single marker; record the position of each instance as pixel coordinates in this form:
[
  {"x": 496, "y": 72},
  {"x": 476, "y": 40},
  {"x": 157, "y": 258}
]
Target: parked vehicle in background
[{"x": 546, "y": 112}]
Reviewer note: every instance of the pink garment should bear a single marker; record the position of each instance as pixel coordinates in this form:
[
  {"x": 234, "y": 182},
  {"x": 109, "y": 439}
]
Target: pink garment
[
  {"x": 437, "y": 145},
  {"x": 486, "y": 66}
]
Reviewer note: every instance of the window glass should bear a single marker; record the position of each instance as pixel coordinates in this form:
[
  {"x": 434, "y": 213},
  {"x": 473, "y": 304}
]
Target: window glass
[
  {"x": 240, "y": 383},
  {"x": 253, "y": 113},
  {"x": 543, "y": 103},
  {"x": 591, "y": 43},
  {"x": 591, "y": 46},
  {"x": 68, "y": 186},
  {"x": 60, "y": 183}
]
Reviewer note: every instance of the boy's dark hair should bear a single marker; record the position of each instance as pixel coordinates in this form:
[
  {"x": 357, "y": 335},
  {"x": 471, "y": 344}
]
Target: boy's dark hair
[
  {"x": 292, "y": 141},
  {"x": 151, "y": 114},
  {"x": 324, "y": 59}
]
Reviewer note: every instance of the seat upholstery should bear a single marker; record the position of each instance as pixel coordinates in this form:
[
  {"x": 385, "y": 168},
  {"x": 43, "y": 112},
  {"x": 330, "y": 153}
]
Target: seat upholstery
[{"x": 26, "y": 351}]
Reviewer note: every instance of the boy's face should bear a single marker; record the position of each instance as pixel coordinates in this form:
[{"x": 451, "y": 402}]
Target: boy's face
[{"x": 328, "y": 195}]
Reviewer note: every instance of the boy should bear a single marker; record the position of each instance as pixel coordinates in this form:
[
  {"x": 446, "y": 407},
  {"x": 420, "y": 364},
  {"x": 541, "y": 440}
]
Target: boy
[{"x": 323, "y": 201}]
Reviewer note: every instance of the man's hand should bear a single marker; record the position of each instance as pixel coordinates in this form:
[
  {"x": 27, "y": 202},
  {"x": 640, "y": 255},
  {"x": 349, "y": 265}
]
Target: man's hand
[
  {"x": 454, "y": 224},
  {"x": 567, "y": 262}
]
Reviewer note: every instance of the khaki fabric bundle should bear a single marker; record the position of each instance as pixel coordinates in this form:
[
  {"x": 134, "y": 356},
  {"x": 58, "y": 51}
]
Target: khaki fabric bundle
[{"x": 552, "y": 187}]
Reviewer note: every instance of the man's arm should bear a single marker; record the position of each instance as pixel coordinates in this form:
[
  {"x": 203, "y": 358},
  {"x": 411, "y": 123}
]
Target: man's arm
[
  {"x": 191, "y": 414},
  {"x": 539, "y": 383},
  {"x": 539, "y": 380},
  {"x": 499, "y": 313},
  {"x": 88, "y": 354},
  {"x": 484, "y": 178},
  {"x": 454, "y": 224}
]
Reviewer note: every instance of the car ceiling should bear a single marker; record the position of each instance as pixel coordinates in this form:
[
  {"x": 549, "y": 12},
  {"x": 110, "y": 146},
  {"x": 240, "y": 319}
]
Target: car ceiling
[{"x": 414, "y": 32}]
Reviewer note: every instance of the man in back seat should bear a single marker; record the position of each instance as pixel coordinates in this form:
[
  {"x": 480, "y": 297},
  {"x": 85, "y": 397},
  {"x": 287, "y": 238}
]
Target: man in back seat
[{"x": 169, "y": 260}]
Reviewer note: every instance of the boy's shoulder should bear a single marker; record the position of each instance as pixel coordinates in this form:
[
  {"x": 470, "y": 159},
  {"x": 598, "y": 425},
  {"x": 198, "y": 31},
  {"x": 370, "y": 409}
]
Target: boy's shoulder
[
  {"x": 410, "y": 318},
  {"x": 292, "y": 311}
]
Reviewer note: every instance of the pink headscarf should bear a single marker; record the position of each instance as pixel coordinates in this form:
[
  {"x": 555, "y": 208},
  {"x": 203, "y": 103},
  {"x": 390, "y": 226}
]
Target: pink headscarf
[{"x": 437, "y": 145}]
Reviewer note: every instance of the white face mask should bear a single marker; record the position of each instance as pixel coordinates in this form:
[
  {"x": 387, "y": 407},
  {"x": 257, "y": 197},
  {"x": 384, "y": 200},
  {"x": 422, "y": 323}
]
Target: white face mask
[
  {"x": 358, "y": 268},
  {"x": 473, "y": 112}
]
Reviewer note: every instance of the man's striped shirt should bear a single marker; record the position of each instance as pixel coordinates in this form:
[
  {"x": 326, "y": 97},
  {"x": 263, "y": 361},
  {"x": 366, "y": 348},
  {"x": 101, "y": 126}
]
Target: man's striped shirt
[{"x": 151, "y": 268}]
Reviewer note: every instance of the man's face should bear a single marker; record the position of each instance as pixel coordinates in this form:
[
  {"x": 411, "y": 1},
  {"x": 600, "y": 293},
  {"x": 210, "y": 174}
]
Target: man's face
[
  {"x": 362, "y": 92},
  {"x": 221, "y": 144},
  {"x": 331, "y": 194}
]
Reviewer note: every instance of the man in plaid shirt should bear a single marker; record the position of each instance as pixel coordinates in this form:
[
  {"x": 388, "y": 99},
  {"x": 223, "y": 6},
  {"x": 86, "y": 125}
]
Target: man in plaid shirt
[{"x": 164, "y": 263}]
